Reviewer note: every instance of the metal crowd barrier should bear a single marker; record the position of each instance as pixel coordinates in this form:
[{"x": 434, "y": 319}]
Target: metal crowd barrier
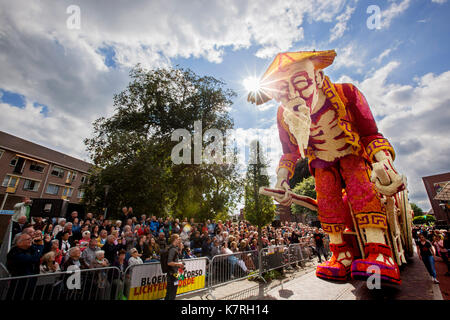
[
  {"x": 273, "y": 257},
  {"x": 111, "y": 284},
  {"x": 4, "y": 271},
  {"x": 89, "y": 284},
  {"x": 295, "y": 252},
  {"x": 6, "y": 243},
  {"x": 226, "y": 268}
]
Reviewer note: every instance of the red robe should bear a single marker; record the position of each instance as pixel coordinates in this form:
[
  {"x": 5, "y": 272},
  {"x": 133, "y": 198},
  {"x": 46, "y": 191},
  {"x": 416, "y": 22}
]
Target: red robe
[{"x": 354, "y": 118}]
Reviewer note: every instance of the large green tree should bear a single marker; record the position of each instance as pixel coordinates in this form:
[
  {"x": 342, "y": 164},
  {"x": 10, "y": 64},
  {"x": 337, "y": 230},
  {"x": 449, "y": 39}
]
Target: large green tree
[
  {"x": 417, "y": 210},
  {"x": 259, "y": 210},
  {"x": 307, "y": 187},
  {"x": 301, "y": 172},
  {"x": 131, "y": 150}
]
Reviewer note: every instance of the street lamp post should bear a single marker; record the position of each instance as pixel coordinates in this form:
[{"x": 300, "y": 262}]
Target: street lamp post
[{"x": 107, "y": 187}]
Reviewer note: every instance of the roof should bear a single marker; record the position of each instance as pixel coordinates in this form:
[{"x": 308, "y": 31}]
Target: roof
[
  {"x": 28, "y": 148},
  {"x": 444, "y": 194}
]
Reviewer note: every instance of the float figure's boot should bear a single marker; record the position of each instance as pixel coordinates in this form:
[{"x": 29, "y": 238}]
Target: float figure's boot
[
  {"x": 338, "y": 267},
  {"x": 378, "y": 257}
]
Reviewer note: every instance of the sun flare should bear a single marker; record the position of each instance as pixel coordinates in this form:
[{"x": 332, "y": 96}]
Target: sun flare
[{"x": 251, "y": 84}]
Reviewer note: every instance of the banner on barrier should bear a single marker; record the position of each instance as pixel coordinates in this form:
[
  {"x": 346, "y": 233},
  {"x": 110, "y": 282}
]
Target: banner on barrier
[{"x": 148, "y": 282}]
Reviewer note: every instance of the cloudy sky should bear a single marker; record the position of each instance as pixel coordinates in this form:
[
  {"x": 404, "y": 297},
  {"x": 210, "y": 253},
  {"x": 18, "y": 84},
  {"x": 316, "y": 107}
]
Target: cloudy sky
[{"x": 55, "y": 80}]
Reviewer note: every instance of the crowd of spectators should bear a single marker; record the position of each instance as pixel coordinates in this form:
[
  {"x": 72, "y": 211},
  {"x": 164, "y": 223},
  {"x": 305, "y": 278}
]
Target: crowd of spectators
[
  {"x": 46, "y": 245},
  {"x": 438, "y": 239}
]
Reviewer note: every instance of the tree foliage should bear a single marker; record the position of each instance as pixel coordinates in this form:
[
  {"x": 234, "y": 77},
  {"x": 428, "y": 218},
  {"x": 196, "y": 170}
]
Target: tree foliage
[
  {"x": 307, "y": 187},
  {"x": 426, "y": 219},
  {"x": 301, "y": 172},
  {"x": 131, "y": 150},
  {"x": 417, "y": 210}
]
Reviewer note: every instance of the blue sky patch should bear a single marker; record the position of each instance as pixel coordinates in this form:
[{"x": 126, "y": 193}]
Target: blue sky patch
[
  {"x": 12, "y": 98},
  {"x": 108, "y": 54}
]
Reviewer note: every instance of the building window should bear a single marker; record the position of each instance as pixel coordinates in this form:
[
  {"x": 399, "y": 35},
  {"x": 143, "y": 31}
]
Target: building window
[
  {"x": 57, "y": 172},
  {"x": 31, "y": 185},
  {"x": 71, "y": 175},
  {"x": 35, "y": 166},
  {"x": 52, "y": 189},
  {"x": 13, "y": 162},
  {"x": 67, "y": 192},
  {"x": 1, "y": 153},
  {"x": 83, "y": 179},
  {"x": 10, "y": 182},
  {"x": 80, "y": 194}
]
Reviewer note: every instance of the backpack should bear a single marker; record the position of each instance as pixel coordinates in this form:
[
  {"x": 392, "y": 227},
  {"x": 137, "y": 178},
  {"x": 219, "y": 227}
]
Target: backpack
[{"x": 164, "y": 257}]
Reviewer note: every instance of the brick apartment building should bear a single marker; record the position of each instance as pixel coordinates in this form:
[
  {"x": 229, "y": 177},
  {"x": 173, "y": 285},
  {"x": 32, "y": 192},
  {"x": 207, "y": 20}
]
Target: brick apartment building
[
  {"x": 31, "y": 170},
  {"x": 441, "y": 208}
]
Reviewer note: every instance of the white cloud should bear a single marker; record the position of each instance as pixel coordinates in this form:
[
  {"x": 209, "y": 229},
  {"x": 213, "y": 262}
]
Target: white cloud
[
  {"x": 350, "y": 56},
  {"x": 341, "y": 26},
  {"x": 64, "y": 70},
  {"x": 393, "y": 11},
  {"x": 62, "y": 132},
  {"x": 439, "y": 1}
]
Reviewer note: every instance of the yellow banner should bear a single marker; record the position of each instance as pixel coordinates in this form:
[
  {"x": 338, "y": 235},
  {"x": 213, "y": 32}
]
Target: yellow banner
[{"x": 148, "y": 282}]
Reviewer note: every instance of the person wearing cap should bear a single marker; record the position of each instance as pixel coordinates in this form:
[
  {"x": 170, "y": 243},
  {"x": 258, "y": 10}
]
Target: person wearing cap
[{"x": 333, "y": 126}]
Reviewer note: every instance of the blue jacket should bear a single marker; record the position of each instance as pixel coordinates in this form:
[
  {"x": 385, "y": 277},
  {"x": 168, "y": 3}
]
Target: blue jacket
[{"x": 22, "y": 262}]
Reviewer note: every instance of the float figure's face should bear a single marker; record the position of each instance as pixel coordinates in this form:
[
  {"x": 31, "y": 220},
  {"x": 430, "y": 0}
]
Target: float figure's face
[{"x": 296, "y": 88}]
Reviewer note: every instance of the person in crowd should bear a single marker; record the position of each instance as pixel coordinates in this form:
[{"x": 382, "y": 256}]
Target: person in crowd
[
  {"x": 141, "y": 244},
  {"x": 24, "y": 257},
  {"x": 254, "y": 244},
  {"x": 59, "y": 227},
  {"x": 110, "y": 249},
  {"x": 19, "y": 225},
  {"x": 88, "y": 254},
  {"x": 49, "y": 263},
  {"x": 100, "y": 261},
  {"x": 196, "y": 243},
  {"x": 48, "y": 228},
  {"x": 95, "y": 231},
  {"x": 38, "y": 223},
  {"x": 73, "y": 216},
  {"x": 233, "y": 260},
  {"x": 185, "y": 234},
  {"x": 135, "y": 257},
  {"x": 74, "y": 259},
  {"x": 162, "y": 241},
  {"x": 58, "y": 253},
  {"x": 65, "y": 244},
  {"x": 22, "y": 209},
  {"x": 426, "y": 253},
  {"x": 187, "y": 254},
  {"x": 84, "y": 242},
  {"x": 216, "y": 249},
  {"x": 151, "y": 251},
  {"x": 120, "y": 261},
  {"x": 102, "y": 238},
  {"x": 206, "y": 247},
  {"x": 441, "y": 250},
  {"x": 67, "y": 229},
  {"x": 176, "y": 228},
  {"x": 173, "y": 265},
  {"x": 319, "y": 245}
]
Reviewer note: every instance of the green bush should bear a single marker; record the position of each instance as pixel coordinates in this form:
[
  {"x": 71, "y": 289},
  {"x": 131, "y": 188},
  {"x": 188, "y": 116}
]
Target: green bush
[{"x": 427, "y": 219}]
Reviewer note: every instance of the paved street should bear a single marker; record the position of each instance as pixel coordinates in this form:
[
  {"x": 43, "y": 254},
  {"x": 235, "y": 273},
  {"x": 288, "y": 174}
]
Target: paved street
[
  {"x": 416, "y": 285},
  {"x": 302, "y": 284}
]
